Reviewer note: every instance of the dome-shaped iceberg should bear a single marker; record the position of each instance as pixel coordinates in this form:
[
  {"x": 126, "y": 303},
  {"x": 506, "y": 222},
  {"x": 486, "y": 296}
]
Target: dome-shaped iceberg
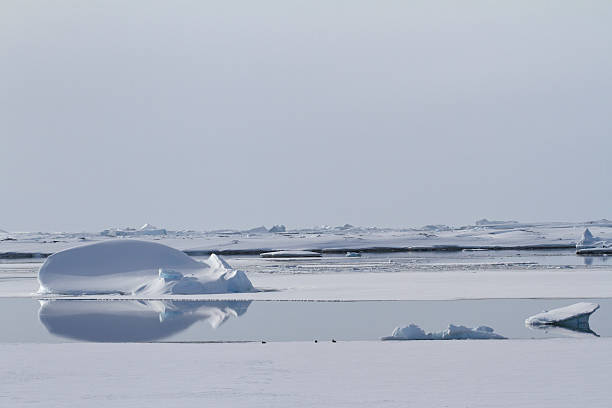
[{"x": 137, "y": 267}]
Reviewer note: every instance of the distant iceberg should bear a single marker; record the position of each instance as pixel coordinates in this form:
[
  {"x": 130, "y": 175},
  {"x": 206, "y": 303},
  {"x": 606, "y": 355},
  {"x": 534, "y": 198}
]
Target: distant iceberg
[
  {"x": 278, "y": 228},
  {"x": 414, "y": 332},
  {"x": 146, "y": 229},
  {"x": 575, "y": 316},
  {"x": 134, "y": 267},
  {"x": 591, "y": 245},
  {"x": 257, "y": 230}
]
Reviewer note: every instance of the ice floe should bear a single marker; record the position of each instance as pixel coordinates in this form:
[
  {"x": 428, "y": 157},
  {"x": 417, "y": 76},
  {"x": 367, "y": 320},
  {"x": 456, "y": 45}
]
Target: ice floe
[
  {"x": 453, "y": 332},
  {"x": 137, "y": 267},
  {"x": 290, "y": 254},
  {"x": 575, "y": 316}
]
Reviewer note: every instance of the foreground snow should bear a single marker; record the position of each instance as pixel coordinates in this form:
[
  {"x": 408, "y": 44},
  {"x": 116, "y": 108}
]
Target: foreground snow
[
  {"x": 522, "y": 373},
  {"x": 453, "y": 332},
  {"x": 136, "y": 267},
  {"x": 575, "y": 316}
]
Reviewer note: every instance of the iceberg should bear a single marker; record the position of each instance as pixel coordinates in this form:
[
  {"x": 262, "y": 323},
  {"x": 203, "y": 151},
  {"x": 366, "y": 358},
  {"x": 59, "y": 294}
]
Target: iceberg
[
  {"x": 149, "y": 229},
  {"x": 575, "y": 316},
  {"x": 257, "y": 230},
  {"x": 146, "y": 229},
  {"x": 453, "y": 332},
  {"x": 591, "y": 245},
  {"x": 134, "y": 267},
  {"x": 278, "y": 228}
]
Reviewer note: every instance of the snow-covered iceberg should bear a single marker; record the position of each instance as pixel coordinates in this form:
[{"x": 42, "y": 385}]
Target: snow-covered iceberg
[
  {"x": 132, "y": 320},
  {"x": 414, "y": 332},
  {"x": 592, "y": 245},
  {"x": 129, "y": 266},
  {"x": 575, "y": 316}
]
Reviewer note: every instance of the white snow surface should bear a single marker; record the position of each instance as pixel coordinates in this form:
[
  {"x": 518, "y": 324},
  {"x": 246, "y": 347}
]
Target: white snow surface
[
  {"x": 559, "y": 373},
  {"x": 563, "y": 314},
  {"x": 136, "y": 267},
  {"x": 453, "y": 332}
]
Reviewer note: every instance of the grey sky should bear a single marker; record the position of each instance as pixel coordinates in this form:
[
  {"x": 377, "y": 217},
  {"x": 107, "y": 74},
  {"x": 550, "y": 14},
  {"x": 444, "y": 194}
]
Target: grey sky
[{"x": 195, "y": 114}]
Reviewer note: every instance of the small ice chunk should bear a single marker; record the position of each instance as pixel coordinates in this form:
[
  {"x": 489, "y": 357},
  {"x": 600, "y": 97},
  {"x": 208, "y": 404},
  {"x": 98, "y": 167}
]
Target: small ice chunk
[
  {"x": 412, "y": 332},
  {"x": 453, "y": 332},
  {"x": 169, "y": 275},
  {"x": 353, "y": 254},
  {"x": 573, "y": 316},
  {"x": 588, "y": 240}
]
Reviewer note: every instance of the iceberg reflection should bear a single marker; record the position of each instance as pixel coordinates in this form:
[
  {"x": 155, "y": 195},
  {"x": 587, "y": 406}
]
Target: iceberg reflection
[
  {"x": 563, "y": 331},
  {"x": 132, "y": 320}
]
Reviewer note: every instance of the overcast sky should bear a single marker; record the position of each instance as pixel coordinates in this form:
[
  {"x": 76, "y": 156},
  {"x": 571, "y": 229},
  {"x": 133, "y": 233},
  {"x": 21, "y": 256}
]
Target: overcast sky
[{"x": 198, "y": 114}]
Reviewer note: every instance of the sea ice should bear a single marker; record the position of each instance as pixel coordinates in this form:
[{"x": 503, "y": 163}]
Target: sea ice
[
  {"x": 137, "y": 267},
  {"x": 290, "y": 254},
  {"x": 575, "y": 316},
  {"x": 414, "y": 332}
]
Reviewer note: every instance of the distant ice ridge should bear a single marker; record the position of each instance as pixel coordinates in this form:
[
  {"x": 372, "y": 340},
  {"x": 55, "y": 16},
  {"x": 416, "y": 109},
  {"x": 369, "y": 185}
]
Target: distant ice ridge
[
  {"x": 146, "y": 229},
  {"x": 575, "y": 316},
  {"x": 137, "y": 268},
  {"x": 485, "y": 222},
  {"x": 414, "y": 332}
]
